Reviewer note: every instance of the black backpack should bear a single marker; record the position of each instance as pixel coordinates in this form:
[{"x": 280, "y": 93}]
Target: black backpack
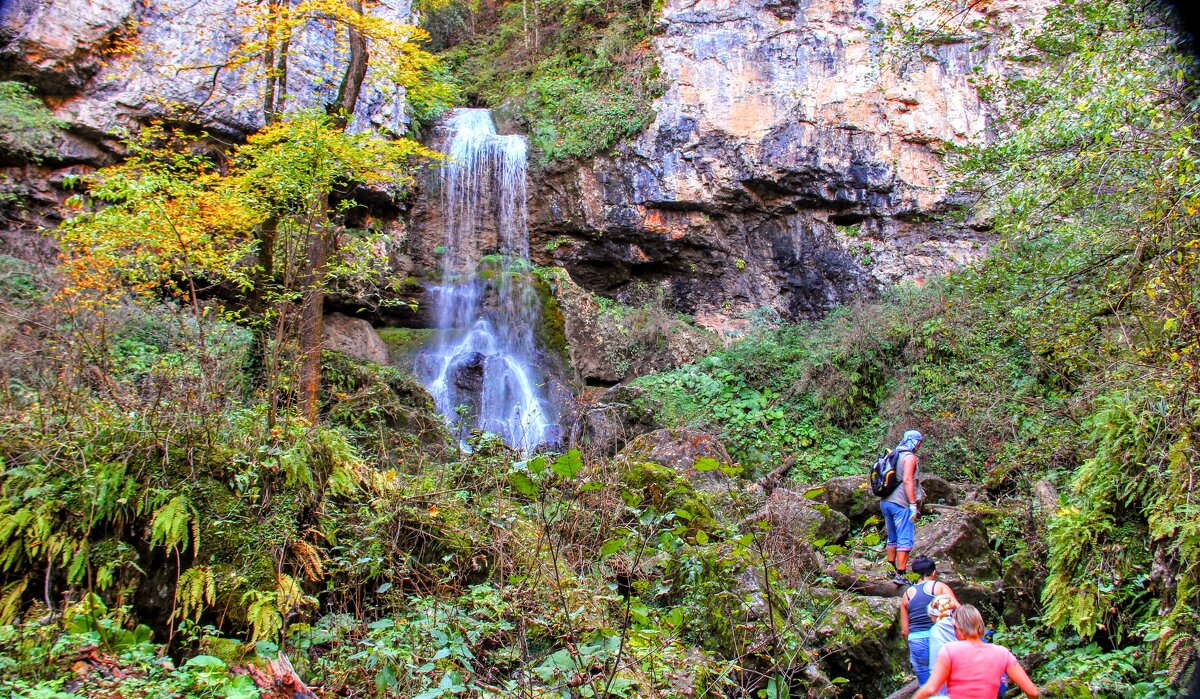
[{"x": 885, "y": 474}]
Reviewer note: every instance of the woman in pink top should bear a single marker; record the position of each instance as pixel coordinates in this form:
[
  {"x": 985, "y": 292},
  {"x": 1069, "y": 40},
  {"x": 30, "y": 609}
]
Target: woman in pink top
[{"x": 970, "y": 668}]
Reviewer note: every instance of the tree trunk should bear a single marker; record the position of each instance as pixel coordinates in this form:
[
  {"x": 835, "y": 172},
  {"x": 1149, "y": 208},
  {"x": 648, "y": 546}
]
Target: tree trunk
[
  {"x": 264, "y": 277},
  {"x": 312, "y": 316},
  {"x": 356, "y": 72},
  {"x": 275, "y": 58}
]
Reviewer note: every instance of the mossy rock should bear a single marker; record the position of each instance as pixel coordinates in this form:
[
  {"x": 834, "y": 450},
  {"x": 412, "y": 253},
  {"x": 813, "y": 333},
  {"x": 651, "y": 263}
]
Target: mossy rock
[
  {"x": 856, "y": 639},
  {"x": 404, "y": 344},
  {"x": 667, "y": 491},
  {"x": 231, "y": 650},
  {"x": 551, "y": 333},
  {"x": 1066, "y": 689},
  {"x": 374, "y": 401}
]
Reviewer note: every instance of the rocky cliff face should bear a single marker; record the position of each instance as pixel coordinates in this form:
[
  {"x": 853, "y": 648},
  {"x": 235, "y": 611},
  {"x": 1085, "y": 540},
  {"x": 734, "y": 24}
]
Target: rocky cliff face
[
  {"x": 108, "y": 63},
  {"x": 791, "y": 165},
  {"x": 105, "y": 65}
]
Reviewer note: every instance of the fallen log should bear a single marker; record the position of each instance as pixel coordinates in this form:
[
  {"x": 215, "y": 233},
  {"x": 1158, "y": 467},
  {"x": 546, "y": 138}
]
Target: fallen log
[{"x": 906, "y": 691}]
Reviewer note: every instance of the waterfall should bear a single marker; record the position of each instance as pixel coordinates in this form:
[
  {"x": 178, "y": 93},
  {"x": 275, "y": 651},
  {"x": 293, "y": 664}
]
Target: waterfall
[{"x": 482, "y": 367}]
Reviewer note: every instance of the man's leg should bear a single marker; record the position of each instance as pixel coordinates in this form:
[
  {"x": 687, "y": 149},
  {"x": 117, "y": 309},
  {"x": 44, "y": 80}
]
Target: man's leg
[
  {"x": 905, "y": 529},
  {"x": 891, "y": 535}
]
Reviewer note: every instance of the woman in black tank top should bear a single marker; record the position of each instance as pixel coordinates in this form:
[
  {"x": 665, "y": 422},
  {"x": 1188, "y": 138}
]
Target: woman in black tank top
[{"x": 914, "y": 614}]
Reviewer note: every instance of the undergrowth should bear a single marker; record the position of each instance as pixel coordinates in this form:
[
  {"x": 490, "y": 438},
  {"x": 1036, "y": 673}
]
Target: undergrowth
[{"x": 577, "y": 75}]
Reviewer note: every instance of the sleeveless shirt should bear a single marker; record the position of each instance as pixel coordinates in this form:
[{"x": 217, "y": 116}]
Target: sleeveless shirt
[
  {"x": 899, "y": 496},
  {"x": 918, "y": 607}
]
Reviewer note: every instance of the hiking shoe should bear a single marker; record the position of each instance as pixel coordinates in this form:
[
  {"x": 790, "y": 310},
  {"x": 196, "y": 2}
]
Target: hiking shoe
[{"x": 898, "y": 579}]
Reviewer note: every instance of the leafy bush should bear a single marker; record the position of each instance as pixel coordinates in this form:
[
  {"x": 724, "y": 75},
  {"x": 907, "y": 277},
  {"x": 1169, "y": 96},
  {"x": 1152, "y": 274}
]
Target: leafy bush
[{"x": 580, "y": 76}]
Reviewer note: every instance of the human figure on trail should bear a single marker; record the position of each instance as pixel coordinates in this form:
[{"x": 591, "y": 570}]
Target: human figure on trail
[
  {"x": 972, "y": 669},
  {"x": 900, "y": 508},
  {"x": 941, "y": 613},
  {"x": 915, "y": 622}
]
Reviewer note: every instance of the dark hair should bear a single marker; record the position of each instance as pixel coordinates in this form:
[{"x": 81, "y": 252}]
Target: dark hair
[{"x": 923, "y": 566}]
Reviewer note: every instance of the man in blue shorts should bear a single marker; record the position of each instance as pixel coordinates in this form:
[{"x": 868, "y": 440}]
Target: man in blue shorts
[{"x": 900, "y": 509}]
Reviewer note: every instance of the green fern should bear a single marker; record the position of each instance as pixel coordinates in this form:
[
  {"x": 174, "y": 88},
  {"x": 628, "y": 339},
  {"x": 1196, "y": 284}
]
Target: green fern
[
  {"x": 169, "y": 526},
  {"x": 197, "y": 590}
]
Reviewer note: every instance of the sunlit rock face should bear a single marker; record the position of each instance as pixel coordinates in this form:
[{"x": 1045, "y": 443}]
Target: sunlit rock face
[
  {"x": 793, "y": 164},
  {"x": 107, "y": 63}
]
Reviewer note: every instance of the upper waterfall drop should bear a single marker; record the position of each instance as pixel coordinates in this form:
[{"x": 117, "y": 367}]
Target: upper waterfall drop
[{"x": 482, "y": 367}]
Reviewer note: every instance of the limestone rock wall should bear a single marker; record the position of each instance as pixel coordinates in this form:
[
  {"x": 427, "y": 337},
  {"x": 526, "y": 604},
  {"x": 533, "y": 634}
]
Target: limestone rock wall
[
  {"x": 791, "y": 164},
  {"x": 105, "y": 63}
]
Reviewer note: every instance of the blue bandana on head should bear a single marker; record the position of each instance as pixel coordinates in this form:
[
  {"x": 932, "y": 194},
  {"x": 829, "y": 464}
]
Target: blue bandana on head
[{"x": 909, "y": 441}]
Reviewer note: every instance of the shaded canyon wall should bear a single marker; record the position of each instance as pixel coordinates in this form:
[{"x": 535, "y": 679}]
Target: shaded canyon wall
[{"x": 793, "y": 163}]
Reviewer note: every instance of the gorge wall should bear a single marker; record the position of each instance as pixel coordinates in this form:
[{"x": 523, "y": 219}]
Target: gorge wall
[{"x": 793, "y": 162}]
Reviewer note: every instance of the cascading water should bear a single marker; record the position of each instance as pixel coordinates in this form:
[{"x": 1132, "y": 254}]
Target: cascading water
[{"x": 481, "y": 368}]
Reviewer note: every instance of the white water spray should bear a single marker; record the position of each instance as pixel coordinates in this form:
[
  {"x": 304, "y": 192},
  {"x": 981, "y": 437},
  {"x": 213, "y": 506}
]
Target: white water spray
[{"x": 481, "y": 368}]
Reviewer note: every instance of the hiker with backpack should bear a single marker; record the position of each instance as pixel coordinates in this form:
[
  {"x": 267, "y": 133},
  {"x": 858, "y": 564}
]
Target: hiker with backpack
[
  {"x": 894, "y": 481},
  {"x": 916, "y": 624}
]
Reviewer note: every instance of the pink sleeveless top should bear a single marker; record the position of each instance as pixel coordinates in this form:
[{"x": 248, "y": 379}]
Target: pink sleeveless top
[{"x": 975, "y": 668}]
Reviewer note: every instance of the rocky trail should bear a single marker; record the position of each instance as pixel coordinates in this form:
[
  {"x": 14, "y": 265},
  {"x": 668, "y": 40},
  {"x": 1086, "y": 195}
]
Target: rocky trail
[{"x": 824, "y": 540}]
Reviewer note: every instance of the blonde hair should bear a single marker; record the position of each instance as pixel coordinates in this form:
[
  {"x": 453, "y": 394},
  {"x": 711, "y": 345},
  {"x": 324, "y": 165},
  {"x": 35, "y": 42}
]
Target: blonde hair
[
  {"x": 941, "y": 606},
  {"x": 968, "y": 621}
]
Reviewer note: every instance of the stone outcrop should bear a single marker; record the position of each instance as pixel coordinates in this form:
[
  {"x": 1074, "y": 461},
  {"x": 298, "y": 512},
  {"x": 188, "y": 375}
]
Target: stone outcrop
[
  {"x": 957, "y": 539},
  {"x": 791, "y": 163},
  {"x": 354, "y": 337},
  {"x": 852, "y": 496},
  {"x": 804, "y": 518},
  {"x": 612, "y": 343},
  {"x": 114, "y": 62},
  {"x": 605, "y": 424},
  {"x": 859, "y": 639},
  {"x": 680, "y": 449}
]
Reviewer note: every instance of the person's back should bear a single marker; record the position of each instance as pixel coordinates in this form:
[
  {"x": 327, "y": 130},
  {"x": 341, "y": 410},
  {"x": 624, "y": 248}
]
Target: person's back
[
  {"x": 975, "y": 669},
  {"x": 942, "y": 632},
  {"x": 970, "y": 668}
]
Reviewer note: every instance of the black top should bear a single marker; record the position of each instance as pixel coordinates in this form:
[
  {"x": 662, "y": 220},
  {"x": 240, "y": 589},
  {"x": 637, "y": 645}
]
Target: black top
[{"x": 918, "y": 607}]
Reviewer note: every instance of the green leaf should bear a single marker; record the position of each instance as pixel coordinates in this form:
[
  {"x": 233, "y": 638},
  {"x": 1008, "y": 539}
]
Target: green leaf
[
  {"x": 611, "y": 546},
  {"x": 523, "y": 484},
  {"x": 204, "y": 661},
  {"x": 701, "y": 538},
  {"x": 706, "y": 463},
  {"x": 568, "y": 464}
]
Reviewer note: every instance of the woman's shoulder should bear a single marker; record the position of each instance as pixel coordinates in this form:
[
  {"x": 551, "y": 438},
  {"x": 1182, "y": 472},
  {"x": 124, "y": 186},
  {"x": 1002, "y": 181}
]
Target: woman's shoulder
[{"x": 977, "y": 651}]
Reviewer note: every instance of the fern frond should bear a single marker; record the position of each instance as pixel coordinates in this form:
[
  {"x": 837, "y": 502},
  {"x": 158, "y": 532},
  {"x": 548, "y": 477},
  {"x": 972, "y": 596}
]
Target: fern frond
[
  {"x": 169, "y": 526},
  {"x": 10, "y": 600}
]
